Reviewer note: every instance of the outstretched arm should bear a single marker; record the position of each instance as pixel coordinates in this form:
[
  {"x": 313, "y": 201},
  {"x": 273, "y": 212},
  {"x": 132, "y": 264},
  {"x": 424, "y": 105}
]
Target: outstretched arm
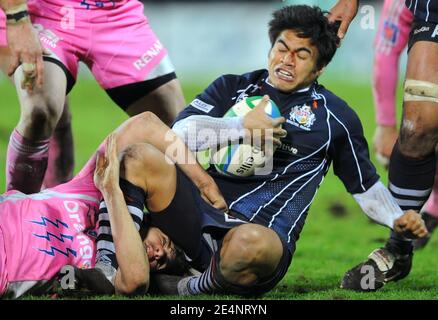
[
  {"x": 133, "y": 273},
  {"x": 378, "y": 204}
]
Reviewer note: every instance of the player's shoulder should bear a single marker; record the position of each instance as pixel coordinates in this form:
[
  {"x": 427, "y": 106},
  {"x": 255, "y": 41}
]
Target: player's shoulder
[
  {"x": 340, "y": 110},
  {"x": 332, "y": 101}
]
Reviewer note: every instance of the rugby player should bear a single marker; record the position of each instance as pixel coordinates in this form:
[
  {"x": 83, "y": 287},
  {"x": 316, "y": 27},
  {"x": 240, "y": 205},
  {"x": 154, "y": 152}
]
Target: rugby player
[
  {"x": 391, "y": 38},
  {"x": 413, "y": 163},
  {"x": 42, "y": 232},
  {"x": 115, "y": 41},
  {"x": 248, "y": 250}
]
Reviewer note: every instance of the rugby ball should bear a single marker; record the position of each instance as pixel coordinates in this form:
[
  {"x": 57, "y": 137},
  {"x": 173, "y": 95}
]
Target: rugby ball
[{"x": 240, "y": 159}]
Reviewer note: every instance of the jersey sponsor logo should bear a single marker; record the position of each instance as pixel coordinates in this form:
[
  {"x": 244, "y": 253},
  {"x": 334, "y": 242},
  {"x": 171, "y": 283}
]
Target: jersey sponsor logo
[
  {"x": 98, "y": 4},
  {"x": 244, "y": 93},
  {"x": 232, "y": 219},
  {"x": 47, "y": 36},
  {"x": 422, "y": 29},
  {"x": 301, "y": 117},
  {"x": 288, "y": 148},
  {"x": 390, "y": 32},
  {"x": 201, "y": 105},
  {"x": 151, "y": 53},
  {"x": 435, "y": 32}
]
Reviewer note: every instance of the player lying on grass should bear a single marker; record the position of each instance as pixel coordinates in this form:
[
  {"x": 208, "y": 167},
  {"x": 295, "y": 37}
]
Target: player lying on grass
[
  {"x": 249, "y": 250},
  {"x": 42, "y": 232}
]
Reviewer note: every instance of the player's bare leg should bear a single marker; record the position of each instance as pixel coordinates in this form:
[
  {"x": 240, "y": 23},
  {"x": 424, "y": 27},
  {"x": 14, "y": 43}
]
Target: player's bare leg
[
  {"x": 166, "y": 102},
  {"x": 250, "y": 255},
  {"x": 29, "y": 142},
  {"x": 61, "y": 152},
  {"x": 412, "y": 165}
]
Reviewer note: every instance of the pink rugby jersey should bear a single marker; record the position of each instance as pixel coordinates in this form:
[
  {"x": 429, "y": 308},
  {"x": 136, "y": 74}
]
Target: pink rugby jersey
[
  {"x": 84, "y": 4},
  {"x": 3, "y": 41},
  {"x": 42, "y": 232}
]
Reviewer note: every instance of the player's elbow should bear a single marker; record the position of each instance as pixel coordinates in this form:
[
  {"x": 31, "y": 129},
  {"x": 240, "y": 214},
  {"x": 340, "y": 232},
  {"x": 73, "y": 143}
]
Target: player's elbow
[
  {"x": 135, "y": 282},
  {"x": 150, "y": 119}
]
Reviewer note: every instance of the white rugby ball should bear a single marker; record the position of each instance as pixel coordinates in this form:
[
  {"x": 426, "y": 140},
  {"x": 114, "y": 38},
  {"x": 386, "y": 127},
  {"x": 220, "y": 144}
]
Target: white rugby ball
[{"x": 240, "y": 159}]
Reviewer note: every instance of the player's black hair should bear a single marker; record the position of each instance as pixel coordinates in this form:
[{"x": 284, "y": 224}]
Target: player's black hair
[
  {"x": 307, "y": 22},
  {"x": 179, "y": 265}
]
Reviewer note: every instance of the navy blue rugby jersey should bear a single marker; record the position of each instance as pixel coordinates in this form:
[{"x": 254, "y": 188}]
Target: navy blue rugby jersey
[
  {"x": 321, "y": 129},
  {"x": 424, "y": 10}
]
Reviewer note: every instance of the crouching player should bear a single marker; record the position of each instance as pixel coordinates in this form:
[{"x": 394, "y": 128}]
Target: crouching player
[{"x": 42, "y": 232}]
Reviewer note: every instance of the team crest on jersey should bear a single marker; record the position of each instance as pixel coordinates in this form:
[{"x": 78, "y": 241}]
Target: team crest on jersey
[{"x": 302, "y": 117}]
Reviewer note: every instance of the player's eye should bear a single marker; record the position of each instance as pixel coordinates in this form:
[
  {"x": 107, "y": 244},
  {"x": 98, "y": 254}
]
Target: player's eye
[{"x": 303, "y": 55}]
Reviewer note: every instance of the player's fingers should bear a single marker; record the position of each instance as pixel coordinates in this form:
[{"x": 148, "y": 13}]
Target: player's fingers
[
  {"x": 220, "y": 204},
  {"x": 262, "y": 104},
  {"x": 279, "y": 132},
  {"x": 111, "y": 145},
  {"x": 15, "y": 62},
  {"x": 420, "y": 232},
  {"x": 39, "y": 72},
  {"x": 276, "y": 122},
  {"x": 343, "y": 28},
  {"x": 399, "y": 224},
  {"x": 100, "y": 164},
  {"x": 423, "y": 233},
  {"x": 276, "y": 142},
  {"x": 45, "y": 52}
]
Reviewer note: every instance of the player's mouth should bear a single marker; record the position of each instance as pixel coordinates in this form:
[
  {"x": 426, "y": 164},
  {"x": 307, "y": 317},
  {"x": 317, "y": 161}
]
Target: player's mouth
[{"x": 284, "y": 75}]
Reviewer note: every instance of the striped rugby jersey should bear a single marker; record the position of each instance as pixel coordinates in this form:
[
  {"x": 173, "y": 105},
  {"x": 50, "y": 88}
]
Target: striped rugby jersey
[{"x": 322, "y": 129}]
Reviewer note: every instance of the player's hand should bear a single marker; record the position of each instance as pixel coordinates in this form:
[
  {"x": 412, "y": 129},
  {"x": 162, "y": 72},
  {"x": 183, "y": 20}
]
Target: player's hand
[
  {"x": 262, "y": 127},
  {"x": 411, "y": 225},
  {"x": 383, "y": 141},
  {"x": 26, "y": 50},
  {"x": 107, "y": 172},
  {"x": 212, "y": 195},
  {"x": 343, "y": 11}
]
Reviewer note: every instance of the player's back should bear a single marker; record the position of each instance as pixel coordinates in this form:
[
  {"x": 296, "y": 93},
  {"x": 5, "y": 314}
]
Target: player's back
[{"x": 42, "y": 232}]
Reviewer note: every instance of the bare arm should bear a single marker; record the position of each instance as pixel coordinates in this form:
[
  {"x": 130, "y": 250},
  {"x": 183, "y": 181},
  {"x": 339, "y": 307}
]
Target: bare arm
[
  {"x": 133, "y": 272},
  {"x": 23, "y": 43},
  {"x": 148, "y": 128}
]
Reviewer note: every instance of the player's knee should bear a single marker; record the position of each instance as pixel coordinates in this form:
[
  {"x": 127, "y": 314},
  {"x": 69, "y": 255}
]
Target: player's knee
[
  {"x": 245, "y": 248},
  {"x": 147, "y": 118},
  {"x": 417, "y": 137},
  {"x": 40, "y": 122},
  {"x": 418, "y": 132}
]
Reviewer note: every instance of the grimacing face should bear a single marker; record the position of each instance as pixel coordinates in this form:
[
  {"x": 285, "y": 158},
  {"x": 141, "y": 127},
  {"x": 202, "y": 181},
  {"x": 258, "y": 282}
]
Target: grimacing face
[
  {"x": 159, "y": 248},
  {"x": 292, "y": 62}
]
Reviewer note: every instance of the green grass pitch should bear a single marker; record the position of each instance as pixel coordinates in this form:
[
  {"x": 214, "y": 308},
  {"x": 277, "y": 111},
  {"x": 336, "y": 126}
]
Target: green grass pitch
[{"x": 329, "y": 244}]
